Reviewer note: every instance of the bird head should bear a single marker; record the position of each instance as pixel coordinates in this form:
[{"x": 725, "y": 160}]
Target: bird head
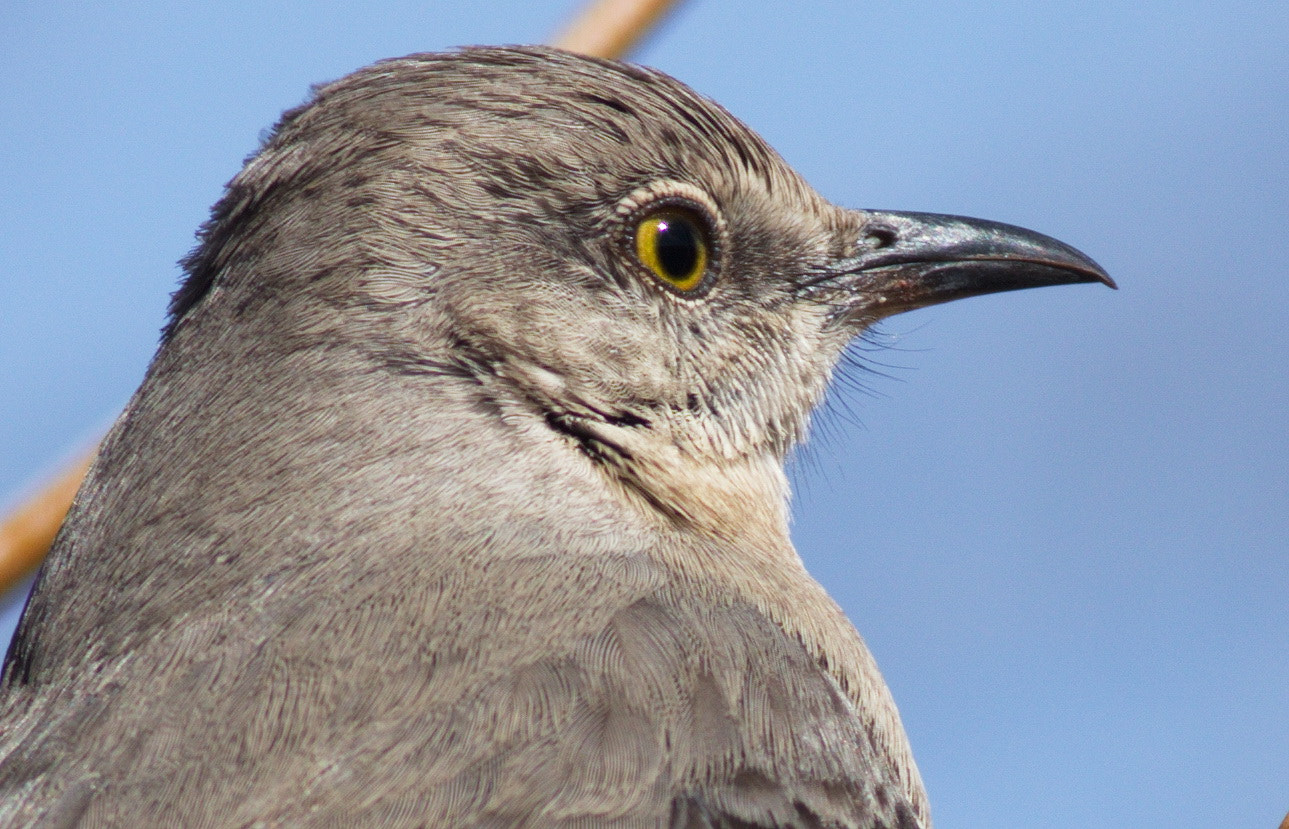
[{"x": 594, "y": 249}]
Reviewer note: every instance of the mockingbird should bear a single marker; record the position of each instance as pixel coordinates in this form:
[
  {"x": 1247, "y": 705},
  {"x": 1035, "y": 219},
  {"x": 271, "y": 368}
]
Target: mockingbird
[{"x": 455, "y": 494}]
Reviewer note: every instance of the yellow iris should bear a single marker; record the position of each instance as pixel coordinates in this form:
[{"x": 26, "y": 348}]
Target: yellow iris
[{"x": 672, "y": 243}]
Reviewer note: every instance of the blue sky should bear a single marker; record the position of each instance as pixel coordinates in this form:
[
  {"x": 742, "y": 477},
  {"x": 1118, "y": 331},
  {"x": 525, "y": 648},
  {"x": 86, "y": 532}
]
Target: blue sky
[{"x": 1060, "y": 521}]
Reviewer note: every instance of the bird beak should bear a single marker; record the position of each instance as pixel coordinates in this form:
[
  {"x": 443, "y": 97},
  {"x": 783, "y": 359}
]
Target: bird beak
[{"x": 912, "y": 260}]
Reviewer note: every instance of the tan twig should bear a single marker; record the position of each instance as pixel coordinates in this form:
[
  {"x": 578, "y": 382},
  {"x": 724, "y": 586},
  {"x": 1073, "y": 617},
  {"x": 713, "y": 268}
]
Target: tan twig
[
  {"x": 609, "y": 28},
  {"x": 28, "y": 531}
]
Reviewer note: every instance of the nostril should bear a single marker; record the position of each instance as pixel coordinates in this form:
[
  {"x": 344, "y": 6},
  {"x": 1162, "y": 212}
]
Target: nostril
[{"x": 876, "y": 238}]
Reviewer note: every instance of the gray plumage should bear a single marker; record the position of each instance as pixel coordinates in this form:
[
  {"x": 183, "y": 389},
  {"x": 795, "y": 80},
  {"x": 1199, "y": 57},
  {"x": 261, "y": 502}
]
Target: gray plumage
[{"x": 437, "y": 507}]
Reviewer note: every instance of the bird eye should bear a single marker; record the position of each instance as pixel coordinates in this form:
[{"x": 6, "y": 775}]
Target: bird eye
[{"x": 672, "y": 243}]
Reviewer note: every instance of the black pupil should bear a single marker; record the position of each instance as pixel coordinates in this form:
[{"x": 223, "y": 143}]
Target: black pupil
[{"x": 677, "y": 247}]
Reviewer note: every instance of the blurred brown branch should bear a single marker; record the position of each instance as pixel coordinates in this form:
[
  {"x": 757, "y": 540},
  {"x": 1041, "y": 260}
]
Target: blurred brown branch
[
  {"x": 27, "y": 532},
  {"x": 610, "y": 28}
]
